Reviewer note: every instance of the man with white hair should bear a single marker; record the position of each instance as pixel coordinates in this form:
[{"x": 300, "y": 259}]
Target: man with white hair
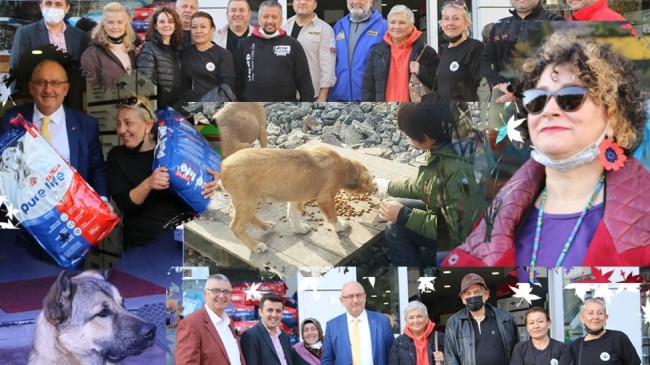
[
  {"x": 207, "y": 336},
  {"x": 355, "y": 34},
  {"x": 185, "y": 10}
]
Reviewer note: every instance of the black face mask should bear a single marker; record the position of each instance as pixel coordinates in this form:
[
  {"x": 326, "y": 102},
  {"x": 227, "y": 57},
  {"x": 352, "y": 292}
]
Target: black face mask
[
  {"x": 474, "y": 303},
  {"x": 117, "y": 40},
  {"x": 455, "y": 39},
  {"x": 594, "y": 333}
]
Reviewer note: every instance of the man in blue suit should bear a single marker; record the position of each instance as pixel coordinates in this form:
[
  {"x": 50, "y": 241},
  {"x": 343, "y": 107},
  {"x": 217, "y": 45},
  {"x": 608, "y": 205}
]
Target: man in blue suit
[
  {"x": 74, "y": 135},
  {"x": 358, "y": 337},
  {"x": 265, "y": 343},
  {"x": 50, "y": 30}
]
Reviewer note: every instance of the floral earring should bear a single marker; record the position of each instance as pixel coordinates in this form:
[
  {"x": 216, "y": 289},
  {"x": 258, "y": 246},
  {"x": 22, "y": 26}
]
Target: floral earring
[{"x": 611, "y": 156}]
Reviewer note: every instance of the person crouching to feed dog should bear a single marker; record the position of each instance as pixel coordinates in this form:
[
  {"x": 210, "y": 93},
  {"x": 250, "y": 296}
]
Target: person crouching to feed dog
[{"x": 417, "y": 208}]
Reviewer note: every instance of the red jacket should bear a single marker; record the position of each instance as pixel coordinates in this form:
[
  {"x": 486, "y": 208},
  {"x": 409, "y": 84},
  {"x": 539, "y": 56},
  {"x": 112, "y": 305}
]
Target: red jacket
[
  {"x": 622, "y": 237},
  {"x": 599, "y": 11}
]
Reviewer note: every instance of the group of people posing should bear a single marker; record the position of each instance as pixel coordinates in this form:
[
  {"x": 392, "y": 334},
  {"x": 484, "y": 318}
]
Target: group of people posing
[{"x": 479, "y": 334}]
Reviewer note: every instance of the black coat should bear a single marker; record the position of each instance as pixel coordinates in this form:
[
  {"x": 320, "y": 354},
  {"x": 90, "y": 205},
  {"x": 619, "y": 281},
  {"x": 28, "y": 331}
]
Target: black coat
[
  {"x": 403, "y": 350},
  {"x": 161, "y": 64},
  {"x": 375, "y": 76}
]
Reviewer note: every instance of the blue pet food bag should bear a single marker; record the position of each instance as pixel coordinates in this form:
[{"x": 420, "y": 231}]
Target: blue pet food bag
[{"x": 186, "y": 154}]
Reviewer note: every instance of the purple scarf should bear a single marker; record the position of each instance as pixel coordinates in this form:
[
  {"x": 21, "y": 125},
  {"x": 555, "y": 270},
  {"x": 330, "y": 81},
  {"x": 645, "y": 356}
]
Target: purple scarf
[{"x": 301, "y": 349}]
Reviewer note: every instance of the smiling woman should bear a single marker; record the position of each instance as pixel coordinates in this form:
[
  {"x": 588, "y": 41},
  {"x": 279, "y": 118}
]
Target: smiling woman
[
  {"x": 540, "y": 349},
  {"x": 419, "y": 339}
]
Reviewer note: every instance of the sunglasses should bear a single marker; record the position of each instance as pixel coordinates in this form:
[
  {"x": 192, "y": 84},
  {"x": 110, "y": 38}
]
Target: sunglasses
[
  {"x": 569, "y": 99},
  {"x": 457, "y": 3},
  {"x": 133, "y": 102}
]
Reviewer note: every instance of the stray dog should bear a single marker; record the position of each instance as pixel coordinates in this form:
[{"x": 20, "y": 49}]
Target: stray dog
[
  {"x": 240, "y": 124},
  {"x": 84, "y": 322},
  {"x": 294, "y": 176}
]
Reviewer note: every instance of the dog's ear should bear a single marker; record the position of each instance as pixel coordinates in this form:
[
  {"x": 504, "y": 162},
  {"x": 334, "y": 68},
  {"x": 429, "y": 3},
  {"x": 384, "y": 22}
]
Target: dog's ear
[
  {"x": 57, "y": 305},
  {"x": 352, "y": 173}
]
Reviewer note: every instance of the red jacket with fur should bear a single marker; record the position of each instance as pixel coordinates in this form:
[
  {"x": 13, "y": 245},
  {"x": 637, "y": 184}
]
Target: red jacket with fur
[{"x": 622, "y": 237}]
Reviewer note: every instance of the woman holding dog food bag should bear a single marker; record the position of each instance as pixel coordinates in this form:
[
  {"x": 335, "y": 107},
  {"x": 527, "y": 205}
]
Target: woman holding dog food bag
[
  {"x": 149, "y": 206},
  {"x": 437, "y": 205}
]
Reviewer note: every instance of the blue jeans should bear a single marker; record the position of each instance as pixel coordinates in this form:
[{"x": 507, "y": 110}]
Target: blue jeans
[{"x": 407, "y": 248}]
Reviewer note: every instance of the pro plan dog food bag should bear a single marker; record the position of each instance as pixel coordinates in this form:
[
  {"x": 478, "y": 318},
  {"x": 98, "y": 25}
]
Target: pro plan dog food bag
[
  {"x": 186, "y": 155},
  {"x": 52, "y": 201}
]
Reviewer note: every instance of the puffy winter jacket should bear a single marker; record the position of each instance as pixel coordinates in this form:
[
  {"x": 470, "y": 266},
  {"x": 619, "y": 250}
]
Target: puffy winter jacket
[
  {"x": 403, "y": 350},
  {"x": 459, "y": 336},
  {"x": 348, "y": 77},
  {"x": 161, "y": 64},
  {"x": 496, "y": 60},
  {"x": 622, "y": 237},
  {"x": 375, "y": 76}
]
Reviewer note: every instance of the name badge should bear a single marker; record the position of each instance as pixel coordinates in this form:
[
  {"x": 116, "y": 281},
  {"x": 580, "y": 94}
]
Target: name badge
[
  {"x": 371, "y": 32},
  {"x": 282, "y": 50}
]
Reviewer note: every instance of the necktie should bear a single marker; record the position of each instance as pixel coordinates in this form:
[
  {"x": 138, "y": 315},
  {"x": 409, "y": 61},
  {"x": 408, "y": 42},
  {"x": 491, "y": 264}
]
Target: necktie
[
  {"x": 356, "y": 342},
  {"x": 45, "y": 128}
]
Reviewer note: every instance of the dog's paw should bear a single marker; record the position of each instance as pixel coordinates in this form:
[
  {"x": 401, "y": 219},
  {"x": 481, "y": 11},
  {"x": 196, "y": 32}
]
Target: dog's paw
[
  {"x": 341, "y": 226},
  {"x": 303, "y": 228},
  {"x": 260, "y": 248}
]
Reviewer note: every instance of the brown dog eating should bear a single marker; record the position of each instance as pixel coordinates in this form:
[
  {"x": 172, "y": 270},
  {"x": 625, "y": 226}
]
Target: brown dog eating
[{"x": 294, "y": 176}]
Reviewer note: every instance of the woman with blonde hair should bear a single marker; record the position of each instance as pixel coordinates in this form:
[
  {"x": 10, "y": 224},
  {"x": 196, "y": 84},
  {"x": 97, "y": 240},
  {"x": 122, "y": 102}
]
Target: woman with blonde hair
[
  {"x": 391, "y": 62},
  {"x": 458, "y": 75},
  {"x": 110, "y": 53}
]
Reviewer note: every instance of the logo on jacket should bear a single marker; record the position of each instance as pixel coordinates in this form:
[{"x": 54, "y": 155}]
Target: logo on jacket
[
  {"x": 371, "y": 32},
  {"x": 210, "y": 66},
  {"x": 282, "y": 50},
  {"x": 555, "y": 362},
  {"x": 340, "y": 36},
  {"x": 454, "y": 66},
  {"x": 604, "y": 356}
]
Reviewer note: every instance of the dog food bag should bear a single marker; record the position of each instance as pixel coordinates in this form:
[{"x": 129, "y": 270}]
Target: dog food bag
[
  {"x": 186, "y": 154},
  {"x": 51, "y": 200}
]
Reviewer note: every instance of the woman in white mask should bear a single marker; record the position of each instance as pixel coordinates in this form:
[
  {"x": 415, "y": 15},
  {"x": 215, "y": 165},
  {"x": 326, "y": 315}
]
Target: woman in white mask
[
  {"x": 581, "y": 200},
  {"x": 309, "y": 350}
]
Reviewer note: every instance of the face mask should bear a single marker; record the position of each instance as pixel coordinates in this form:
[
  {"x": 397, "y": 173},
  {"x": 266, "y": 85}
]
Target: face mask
[
  {"x": 455, "y": 39},
  {"x": 52, "y": 15},
  {"x": 317, "y": 345},
  {"x": 594, "y": 333},
  {"x": 117, "y": 40},
  {"x": 474, "y": 303},
  {"x": 584, "y": 157}
]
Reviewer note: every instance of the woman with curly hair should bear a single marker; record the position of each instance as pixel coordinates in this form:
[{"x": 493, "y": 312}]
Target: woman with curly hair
[
  {"x": 159, "y": 59},
  {"x": 581, "y": 200},
  {"x": 111, "y": 52}
]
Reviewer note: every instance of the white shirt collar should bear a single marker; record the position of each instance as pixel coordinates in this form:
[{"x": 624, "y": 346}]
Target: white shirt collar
[
  {"x": 57, "y": 117},
  {"x": 216, "y": 319},
  {"x": 363, "y": 317}
]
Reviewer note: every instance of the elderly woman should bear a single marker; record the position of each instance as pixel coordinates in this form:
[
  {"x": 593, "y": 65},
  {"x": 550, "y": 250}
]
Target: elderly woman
[
  {"x": 540, "y": 349},
  {"x": 149, "y": 207},
  {"x": 585, "y": 114},
  {"x": 440, "y": 198},
  {"x": 458, "y": 75},
  {"x": 420, "y": 344},
  {"x": 309, "y": 350},
  {"x": 205, "y": 64},
  {"x": 110, "y": 53},
  {"x": 601, "y": 345},
  {"x": 159, "y": 59},
  {"x": 392, "y": 60}
]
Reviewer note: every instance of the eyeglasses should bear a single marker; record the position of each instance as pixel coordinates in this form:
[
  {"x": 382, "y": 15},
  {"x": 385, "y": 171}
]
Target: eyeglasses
[
  {"x": 217, "y": 292},
  {"x": 354, "y": 296},
  {"x": 133, "y": 102},
  {"x": 569, "y": 99},
  {"x": 53, "y": 83}
]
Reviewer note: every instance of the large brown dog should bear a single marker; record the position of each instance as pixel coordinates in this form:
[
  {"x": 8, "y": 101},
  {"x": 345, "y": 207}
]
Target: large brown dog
[
  {"x": 294, "y": 176},
  {"x": 84, "y": 322},
  {"x": 240, "y": 124}
]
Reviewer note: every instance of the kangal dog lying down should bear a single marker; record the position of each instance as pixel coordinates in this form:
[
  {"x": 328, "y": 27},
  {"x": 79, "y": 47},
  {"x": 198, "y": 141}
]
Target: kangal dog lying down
[
  {"x": 84, "y": 322},
  {"x": 240, "y": 124},
  {"x": 293, "y": 176}
]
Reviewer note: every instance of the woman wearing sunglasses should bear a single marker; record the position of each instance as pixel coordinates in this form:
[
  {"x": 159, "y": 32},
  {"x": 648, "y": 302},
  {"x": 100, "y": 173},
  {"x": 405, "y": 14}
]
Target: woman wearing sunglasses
[
  {"x": 581, "y": 199},
  {"x": 391, "y": 61},
  {"x": 601, "y": 346}
]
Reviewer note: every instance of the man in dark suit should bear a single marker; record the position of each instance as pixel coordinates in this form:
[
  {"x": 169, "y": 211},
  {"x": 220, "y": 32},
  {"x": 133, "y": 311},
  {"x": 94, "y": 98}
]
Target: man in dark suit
[
  {"x": 207, "y": 336},
  {"x": 50, "y": 30},
  {"x": 359, "y": 336},
  {"x": 265, "y": 343},
  {"x": 74, "y": 135}
]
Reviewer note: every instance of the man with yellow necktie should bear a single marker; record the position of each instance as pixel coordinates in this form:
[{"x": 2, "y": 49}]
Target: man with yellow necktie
[{"x": 359, "y": 336}]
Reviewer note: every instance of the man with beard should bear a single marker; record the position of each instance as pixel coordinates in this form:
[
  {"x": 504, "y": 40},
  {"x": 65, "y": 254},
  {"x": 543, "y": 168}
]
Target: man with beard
[
  {"x": 269, "y": 65},
  {"x": 479, "y": 334},
  {"x": 356, "y": 34},
  {"x": 317, "y": 38},
  {"x": 231, "y": 35},
  {"x": 185, "y": 10}
]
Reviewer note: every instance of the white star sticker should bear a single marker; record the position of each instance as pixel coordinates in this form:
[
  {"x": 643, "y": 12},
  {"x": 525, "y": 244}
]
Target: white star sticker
[
  {"x": 646, "y": 312},
  {"x": 426, "y": 284},
  {"x": 523, "y": 291},
  {"x": 252, "y": 293}
]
